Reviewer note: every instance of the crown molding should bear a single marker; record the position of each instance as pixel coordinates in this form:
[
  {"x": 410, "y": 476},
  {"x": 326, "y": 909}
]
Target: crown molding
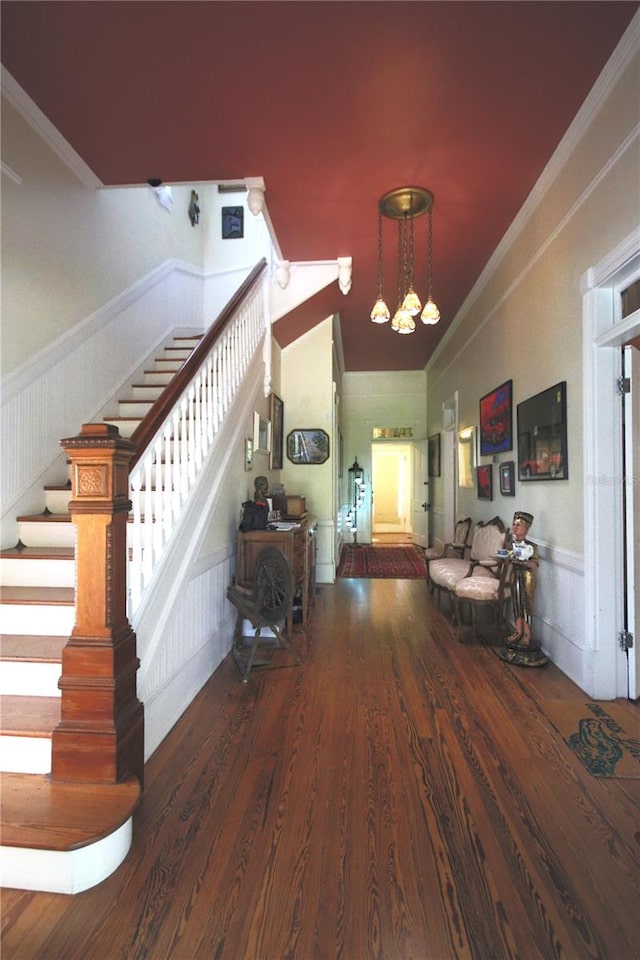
[{"x": 31, "y": 112}]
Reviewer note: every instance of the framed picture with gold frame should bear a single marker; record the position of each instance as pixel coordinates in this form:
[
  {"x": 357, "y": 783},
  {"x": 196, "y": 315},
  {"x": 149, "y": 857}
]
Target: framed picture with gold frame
[{"x": 467, "y": 457}]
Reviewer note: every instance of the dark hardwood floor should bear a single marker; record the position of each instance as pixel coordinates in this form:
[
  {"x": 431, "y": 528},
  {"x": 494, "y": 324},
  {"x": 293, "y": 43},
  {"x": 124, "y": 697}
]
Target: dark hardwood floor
[{"x": 400, "y": 795}]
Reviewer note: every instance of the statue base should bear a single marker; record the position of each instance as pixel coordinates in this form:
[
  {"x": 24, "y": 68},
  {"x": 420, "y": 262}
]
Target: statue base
[{"x": 523, "y": 656}]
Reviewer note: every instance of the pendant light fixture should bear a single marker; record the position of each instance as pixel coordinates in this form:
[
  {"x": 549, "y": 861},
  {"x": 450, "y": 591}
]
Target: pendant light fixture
[{"x": 406, "y": 204}]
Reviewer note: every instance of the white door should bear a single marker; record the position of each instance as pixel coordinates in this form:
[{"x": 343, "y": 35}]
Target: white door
[
  {"x": 632, "y": 513},
  {"x": 420, "y": 502}
]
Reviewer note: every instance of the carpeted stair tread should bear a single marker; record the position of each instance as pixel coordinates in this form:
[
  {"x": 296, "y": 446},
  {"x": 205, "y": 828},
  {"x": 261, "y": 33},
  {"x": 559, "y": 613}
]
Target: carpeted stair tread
[
  {"x": 32, "y": 648},
  {"x": 44, "y": 814},
  {"x": 53, "y": 596},
  {"x": 28, "y": 716}
]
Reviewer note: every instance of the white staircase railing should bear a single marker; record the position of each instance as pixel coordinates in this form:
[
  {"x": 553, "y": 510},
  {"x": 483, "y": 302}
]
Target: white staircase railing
[{"x": 169, "y": 459}]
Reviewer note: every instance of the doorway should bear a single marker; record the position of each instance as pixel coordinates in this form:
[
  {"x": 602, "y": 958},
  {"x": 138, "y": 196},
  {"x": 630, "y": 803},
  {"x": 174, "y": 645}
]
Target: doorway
[
  {"x": 605, "y": 330},
  {"x": 391, "y": 495}
]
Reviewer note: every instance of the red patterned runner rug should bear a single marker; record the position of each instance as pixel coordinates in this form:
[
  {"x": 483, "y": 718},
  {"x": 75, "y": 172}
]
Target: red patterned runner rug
[{"x": 386, "y": 563}]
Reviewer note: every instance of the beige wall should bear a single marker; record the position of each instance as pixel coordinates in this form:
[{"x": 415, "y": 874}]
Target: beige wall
[
  {"x": 68, "y": 250},
  {"x": 307, "y": 390},
  {"x": 524, "y": 320}
]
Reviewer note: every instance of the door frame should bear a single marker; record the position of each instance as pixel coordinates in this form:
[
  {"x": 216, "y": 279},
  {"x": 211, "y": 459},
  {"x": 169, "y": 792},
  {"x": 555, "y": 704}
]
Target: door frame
[{"x": 604, "y": 332}]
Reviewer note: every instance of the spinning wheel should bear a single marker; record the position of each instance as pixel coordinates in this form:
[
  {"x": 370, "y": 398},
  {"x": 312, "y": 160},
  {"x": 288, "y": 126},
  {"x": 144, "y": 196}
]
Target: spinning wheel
[
  {"x": 272, "y": 581},
  {"x": 267, "y": 605}
]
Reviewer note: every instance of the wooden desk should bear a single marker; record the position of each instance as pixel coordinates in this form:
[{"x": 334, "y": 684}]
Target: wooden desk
[{"x": 298, "y": 546}]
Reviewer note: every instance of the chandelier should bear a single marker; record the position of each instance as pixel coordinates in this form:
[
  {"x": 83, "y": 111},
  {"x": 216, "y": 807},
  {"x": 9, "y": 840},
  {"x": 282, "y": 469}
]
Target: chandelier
[{"x": 406, "y": 204}]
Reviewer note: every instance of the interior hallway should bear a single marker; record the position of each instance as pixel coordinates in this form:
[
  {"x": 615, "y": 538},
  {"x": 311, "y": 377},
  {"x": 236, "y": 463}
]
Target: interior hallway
[{"x": 400, "y": 795}]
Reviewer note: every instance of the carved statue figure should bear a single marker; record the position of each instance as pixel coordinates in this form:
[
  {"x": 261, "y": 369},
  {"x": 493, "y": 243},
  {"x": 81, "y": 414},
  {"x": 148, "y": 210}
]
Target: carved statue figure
[{"x": 521, "y": 649}]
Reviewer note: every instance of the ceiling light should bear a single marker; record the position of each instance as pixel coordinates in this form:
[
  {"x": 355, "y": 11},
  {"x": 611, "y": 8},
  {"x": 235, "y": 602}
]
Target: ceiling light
[{"x": 405, "y": 204}]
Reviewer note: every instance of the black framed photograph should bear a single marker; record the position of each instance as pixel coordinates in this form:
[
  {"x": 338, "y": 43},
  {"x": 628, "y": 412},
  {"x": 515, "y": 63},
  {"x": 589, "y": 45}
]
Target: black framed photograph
[
  {"x": 232, "y": 223},
  {"x": 276, "y": 412},
  {"x": 308, "y": 446},
  {"x": 507, "y": 472},
  {"x": 484, "y": 481},
  {"x": 434, "y": 455},
  {"x": 542, "y": 435},
  {"x": 496, "y": 420}
]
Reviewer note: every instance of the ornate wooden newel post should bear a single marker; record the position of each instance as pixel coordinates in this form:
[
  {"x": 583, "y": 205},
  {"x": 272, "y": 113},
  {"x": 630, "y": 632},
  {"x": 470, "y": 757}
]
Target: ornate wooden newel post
[{"x": 100, "y": 737}]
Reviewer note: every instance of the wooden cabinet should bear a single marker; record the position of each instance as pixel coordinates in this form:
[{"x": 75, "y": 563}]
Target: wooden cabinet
[{"x": 298, "y": 546}]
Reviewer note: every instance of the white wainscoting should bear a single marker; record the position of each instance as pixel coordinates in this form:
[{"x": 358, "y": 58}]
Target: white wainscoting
[{"x": 559, "y": 611}]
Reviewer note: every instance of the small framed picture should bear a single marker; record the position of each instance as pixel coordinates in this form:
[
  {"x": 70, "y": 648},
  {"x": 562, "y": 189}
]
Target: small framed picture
[
  {"x": 248, "y": 454},
  {"x": 308, "y": 446},
  {"x": 261, "y": 434},
  {"x": 232, "y": 223},
  {"x": 276, "y": 411},
  {"x": 507, "y": 471},
  {"x": 484, "y": 481}
]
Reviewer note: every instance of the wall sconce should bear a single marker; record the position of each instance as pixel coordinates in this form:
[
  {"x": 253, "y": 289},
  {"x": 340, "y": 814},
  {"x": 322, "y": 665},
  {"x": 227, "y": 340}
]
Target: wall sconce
[{"x": 357, "y": 497}]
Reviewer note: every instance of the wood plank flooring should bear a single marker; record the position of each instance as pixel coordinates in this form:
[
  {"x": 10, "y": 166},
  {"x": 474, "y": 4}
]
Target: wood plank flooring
[{"x": 400, "y": 795}]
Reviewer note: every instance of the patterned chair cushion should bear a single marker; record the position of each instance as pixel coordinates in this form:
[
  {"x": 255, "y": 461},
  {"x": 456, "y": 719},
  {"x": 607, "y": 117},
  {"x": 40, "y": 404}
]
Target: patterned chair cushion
[
  {"x": 446, "y": 573},
  {"x": 477, "y": 588}
]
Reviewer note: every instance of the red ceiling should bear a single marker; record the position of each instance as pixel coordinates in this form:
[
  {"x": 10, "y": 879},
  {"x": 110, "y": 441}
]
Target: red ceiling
[{"x": 333, "y": 103}]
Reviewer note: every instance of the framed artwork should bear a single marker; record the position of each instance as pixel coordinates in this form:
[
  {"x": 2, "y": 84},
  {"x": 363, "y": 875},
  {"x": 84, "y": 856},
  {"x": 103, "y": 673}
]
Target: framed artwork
[
  {"x": 434, "y": 455},
  {"x": 496, "y": 417},
  {"x": 308, "y": 446},
  {"x": 507, "y": 471},
  {"x": 276, "y": 412},
  {"x": 484, "y": 481},
  {"x": 466, "y": 457},
  {"x": 232, "y": 223},
  {"x": 542, "y": 435},
  {"x": 261, "y": 434},
  {"x": 248, "y": 454}
]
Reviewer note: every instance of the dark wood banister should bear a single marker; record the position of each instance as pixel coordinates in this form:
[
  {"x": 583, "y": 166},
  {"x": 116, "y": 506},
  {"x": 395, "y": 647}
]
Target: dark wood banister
[{"x": 147, "y": 429}]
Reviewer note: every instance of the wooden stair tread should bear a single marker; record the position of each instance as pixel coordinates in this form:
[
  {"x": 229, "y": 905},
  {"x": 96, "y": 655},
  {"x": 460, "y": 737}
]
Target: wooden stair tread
[
  {"x": 31, "y": 647},
  {"x": 28, "y": 716},
  {"x": 45, "y": 814},
  {"x": 58, "y": 486},
  {"x": 60, "y": 596},
  {"x": 46, "y": 518},
  {"x": 38, "y": 553}
]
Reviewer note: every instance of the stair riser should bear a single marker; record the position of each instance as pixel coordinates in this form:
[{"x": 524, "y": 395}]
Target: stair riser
[
  {"x": 36, "y": 534},
  {"x": 65, "y": 871},
  {"x": 25, "y": 754},
  {"x": 36, "y": 619},
  {"x": 148, "y": 392},
  {"x": 20, "y": 679},
  {"x": 176, "y": 353},
  {"x": 170, "y": 366},
  {"x": 156, "y": 378},
  {"x": 125, "y": 428},
  {"x": 37, "y": 573},
  {"x": 57, "y": 501},
  {"x": 127, "y": 408}
]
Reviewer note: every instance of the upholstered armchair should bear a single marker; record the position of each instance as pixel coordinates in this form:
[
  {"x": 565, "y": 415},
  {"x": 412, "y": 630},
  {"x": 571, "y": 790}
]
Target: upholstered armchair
[
  {"x": 457, "y": 548},
  {"x": 483, "y": 586},
  {"x": 446, "y": 572}
]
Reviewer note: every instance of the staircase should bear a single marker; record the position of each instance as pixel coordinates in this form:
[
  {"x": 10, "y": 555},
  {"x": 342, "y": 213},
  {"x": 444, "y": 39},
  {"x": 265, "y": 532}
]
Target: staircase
[{"x": 59, "y": 837}]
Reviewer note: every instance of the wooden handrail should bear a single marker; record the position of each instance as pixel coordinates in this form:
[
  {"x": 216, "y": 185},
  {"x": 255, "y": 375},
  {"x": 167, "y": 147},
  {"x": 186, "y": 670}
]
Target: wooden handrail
[{"x": 147, "y": 429}]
